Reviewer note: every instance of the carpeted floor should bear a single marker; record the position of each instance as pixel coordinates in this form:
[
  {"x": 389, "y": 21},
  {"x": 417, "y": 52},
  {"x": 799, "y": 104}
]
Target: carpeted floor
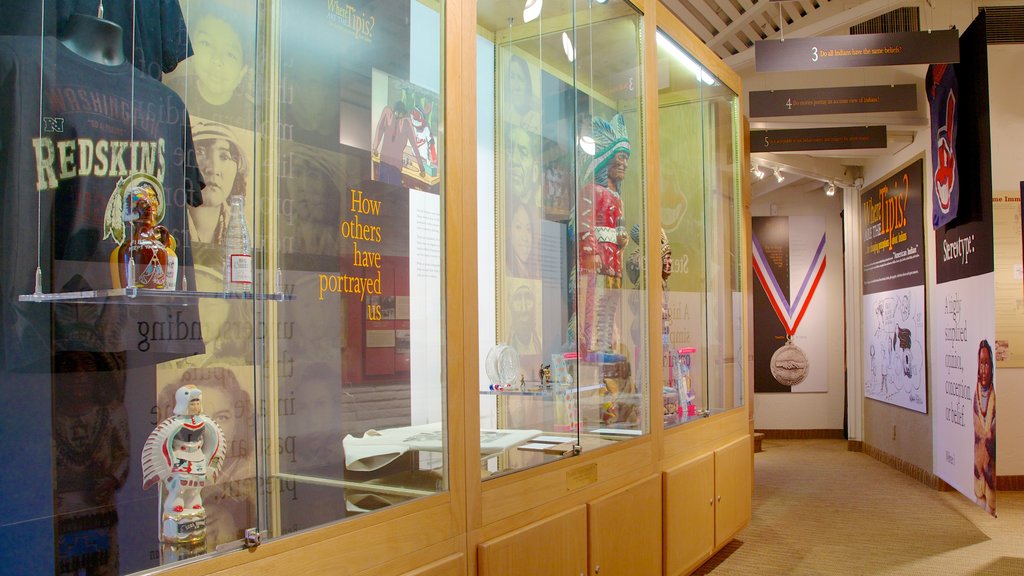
[{"x": 822, "y": 510}]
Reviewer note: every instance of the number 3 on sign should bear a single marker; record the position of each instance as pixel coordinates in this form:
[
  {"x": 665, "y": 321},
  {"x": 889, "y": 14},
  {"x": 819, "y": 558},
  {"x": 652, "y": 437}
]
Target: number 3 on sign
[{"x": 814, "y": 53}]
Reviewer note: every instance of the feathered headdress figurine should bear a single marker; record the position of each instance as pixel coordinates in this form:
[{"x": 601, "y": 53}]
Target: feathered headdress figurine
[
  {"x": 121, "y": 204},
  {"x": 610, "y": 138},
  {"x": 184, "y": 451}
]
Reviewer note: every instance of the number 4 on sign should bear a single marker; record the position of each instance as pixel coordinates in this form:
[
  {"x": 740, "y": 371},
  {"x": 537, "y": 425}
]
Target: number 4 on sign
[{"x": 789, "y": 103}]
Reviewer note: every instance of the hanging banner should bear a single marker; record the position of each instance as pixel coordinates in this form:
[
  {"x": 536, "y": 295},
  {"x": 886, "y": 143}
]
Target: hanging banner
[
  {"x": 893, "y": 288},
  {"x": 790, "y": 342},
  {"x": 942, "y": 100},
  {"x": 839, "y": 100},
  {"x": 962, "y": 310},
  {"x": 798, "y": 139},
  {"x": 856, "y": 50}
]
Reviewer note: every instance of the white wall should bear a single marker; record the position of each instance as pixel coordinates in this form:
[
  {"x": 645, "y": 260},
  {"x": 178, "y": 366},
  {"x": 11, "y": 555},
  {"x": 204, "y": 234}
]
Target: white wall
[
  {"x": 792, "y": 411},
  {"x": 1006, "y": 68}
]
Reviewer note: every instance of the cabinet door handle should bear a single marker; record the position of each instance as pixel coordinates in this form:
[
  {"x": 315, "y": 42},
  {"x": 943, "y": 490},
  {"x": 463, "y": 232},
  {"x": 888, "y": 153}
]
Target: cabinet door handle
[
  {"x": 719, "y": 498},
  {"x": 711, "y": 502},
  {"x": 597, "y": 569}
]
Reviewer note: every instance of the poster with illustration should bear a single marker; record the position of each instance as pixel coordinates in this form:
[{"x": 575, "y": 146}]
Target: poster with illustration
[
  {"x": 405, "y": 132},
  {"x": 893, "y": 284}
]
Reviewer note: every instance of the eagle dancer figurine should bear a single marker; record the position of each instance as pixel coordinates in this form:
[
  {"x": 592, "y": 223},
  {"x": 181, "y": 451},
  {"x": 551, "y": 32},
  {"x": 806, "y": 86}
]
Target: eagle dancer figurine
[{"x": 183, "y": 452}]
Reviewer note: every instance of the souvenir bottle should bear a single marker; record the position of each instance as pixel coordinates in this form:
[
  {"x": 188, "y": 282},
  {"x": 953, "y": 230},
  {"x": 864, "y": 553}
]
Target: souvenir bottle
[{"x": 237, "y": 249}]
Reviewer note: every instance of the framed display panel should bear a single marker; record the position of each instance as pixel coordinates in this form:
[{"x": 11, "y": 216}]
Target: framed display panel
[
  {"x": 701, "y": 222},
  {"x": 561, "y": 186},
  {"x": 212, "y": 238}
]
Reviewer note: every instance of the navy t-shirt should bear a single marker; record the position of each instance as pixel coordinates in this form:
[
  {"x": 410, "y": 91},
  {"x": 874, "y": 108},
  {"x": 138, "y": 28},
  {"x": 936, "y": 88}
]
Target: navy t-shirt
[{"x": 62, "y": 154}]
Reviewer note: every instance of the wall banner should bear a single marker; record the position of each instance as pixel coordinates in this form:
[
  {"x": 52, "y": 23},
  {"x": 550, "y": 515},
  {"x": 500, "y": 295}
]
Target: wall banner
[
  {"x": 893, "y": 289},
  {"x": 961, "y": 306},
  {"x": 790, "y": 305}
]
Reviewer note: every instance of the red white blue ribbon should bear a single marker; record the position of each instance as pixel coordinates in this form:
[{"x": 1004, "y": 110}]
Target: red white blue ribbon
[{"x": 789, "y": 314}]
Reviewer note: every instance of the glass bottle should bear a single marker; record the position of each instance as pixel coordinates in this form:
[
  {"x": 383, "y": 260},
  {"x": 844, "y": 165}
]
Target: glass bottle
[{"x": 237, "y": 249}]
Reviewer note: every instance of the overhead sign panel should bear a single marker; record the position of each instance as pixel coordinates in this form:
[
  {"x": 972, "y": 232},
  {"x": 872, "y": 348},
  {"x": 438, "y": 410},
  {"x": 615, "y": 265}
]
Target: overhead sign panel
[
  {"x": 804, "y": 139},
  {"x": 839, "y": 100},
  {"x": 856, "y": 50}
]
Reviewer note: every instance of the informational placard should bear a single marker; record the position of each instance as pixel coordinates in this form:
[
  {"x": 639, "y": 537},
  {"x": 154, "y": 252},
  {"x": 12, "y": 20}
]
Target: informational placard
[
  {"x": 1009, "y": 278},
  {"x": 790, "y": 304},
  {"x": 961, "y": 304},
  {"x": 800, "y": 139},
  {"x": 893, "y": 286},
  {"x": 837, "y": 100},
  {"x": 856, "y": 50}
]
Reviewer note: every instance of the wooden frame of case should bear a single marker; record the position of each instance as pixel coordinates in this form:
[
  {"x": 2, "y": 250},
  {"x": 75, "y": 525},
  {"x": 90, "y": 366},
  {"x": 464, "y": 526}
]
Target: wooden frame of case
[{"x": 443, "y": 534}]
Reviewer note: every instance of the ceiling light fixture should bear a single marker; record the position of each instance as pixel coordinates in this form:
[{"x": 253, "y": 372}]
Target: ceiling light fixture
[
  {"x": 830, "y": 189},
  {"x": 778, "y": 176},
  {"x": 532, "y": 10},
  {"x": 757, "y": 172},
  {"x": 687, "y": 62}
]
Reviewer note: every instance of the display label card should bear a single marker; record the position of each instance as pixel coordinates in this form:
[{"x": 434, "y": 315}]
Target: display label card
[
  {"x": 856, "y": 50},
  {"x": 839, "y": 100},
  {"x": 839, "y": 138}
]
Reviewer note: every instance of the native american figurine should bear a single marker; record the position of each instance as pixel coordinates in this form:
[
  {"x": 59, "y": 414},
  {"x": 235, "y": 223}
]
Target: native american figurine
[
  {"x": 184, "y": 452},
  {"x": 602, "y": 236},
  {"x": 147, "y": 259}
]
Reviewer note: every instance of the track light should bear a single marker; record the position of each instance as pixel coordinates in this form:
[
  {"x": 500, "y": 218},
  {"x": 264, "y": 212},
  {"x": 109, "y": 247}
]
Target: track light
[
  {"x": 778, "y": 176},
  {"x": 830, "y": 189},
  {"x": 757, "y": 172}
]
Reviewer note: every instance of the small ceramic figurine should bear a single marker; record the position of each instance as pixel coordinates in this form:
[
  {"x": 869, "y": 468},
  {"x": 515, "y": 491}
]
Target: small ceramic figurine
[
  {"x": 147, "y": 259},
  {"x": 184, "y": 452}
]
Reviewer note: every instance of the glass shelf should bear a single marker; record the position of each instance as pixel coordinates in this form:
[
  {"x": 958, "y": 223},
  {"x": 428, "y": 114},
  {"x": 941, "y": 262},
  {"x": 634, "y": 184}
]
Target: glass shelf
[{"x": 147, "y": 296}]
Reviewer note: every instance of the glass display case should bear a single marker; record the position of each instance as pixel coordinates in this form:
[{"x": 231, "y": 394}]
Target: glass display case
[
  {"x": 561, "y": 229},
  {"x": 215, "y": 213},
  {"x": 701, "y": 228}
]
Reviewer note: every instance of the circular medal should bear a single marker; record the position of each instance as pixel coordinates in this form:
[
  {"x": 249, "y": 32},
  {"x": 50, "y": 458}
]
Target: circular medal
[{"x": 789, "y": 364}]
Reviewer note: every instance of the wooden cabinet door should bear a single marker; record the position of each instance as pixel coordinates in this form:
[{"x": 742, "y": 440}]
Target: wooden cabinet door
[
  {"x": 734, "y": 476},
  {"x": 452, "y": 566},
  {"x": 625, "y": 530},
  {"x": 555, "y": 546},
  {"x": 689, "y": 493}
]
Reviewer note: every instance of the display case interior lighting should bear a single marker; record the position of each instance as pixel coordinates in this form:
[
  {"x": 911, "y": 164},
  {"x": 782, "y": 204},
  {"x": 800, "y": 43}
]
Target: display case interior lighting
[
  {"x": 830, "y": 189},
  {"x": 531, "y": 11},
  {"x": 757, "y": 172},
  {"x": 778, "y": 176},
  {"x": 687, "y": 62},
  {"x": 570, "y": 52}
]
